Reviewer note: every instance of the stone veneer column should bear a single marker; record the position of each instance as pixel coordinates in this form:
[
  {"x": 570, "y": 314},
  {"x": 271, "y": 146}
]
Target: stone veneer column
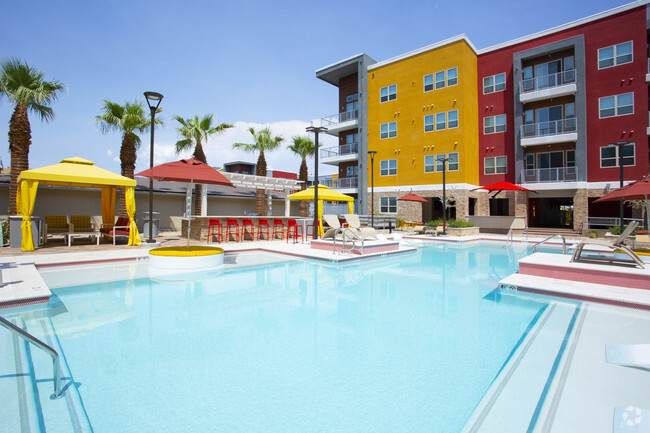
[
  {"x": 580, "y": 209},
  {"x": 521, "y": 204},
  {"x": 483, "y": 204},
  {"x": 462, "y": 204}
]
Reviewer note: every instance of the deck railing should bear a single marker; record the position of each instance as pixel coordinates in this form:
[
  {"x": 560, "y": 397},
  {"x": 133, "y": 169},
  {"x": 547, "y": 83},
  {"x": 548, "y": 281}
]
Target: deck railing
[{"x": 548, "y": 81}]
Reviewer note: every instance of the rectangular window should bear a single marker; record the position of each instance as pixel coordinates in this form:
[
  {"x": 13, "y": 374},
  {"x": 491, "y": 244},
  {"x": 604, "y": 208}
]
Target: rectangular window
[
  {"x": 388, "y": 93},
  {"x": 440, "y": 80},
  {"x": 494, "y": 165},
  {"x": 494, "y": 124},
  {"x": 428, "y": 83},
  {"x": 428, "y": 123},
  {"x": 530, "y": 161},
  {"x": 352, "y": 171},
  {"x": 570, "y": 158},
  {"x": 352, "y": 98},
  {"x": 439, "y": 161},
  {"x": 494, "y": 83},
  {"x": 609, "y": 155},
  {"x": 617, "y": 105},
  {"x": 452, "y": 119},
  {"x": 452, "y": 77},
  {"x": 388, "y": 204},
  {"x": 615, "y": 55},
  {"x": 429, "y": 163},
  {"x": 452, "y": 164},
  {"x": 388, "y": 167},
  {"x": 441, "y": 121},
  {"x": 388, "y": 130}
]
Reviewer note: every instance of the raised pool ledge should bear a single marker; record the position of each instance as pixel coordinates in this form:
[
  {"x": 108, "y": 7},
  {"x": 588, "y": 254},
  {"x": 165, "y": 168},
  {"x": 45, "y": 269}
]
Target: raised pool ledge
[{"x": 190, "y": 258}]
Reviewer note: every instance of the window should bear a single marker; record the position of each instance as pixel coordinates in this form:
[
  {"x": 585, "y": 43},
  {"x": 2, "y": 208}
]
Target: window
[
  {"x": 388, "y": 204},
  {"x": 452, "y": 119},
  {"x": 494, "y": 124},
  {"x": 609, "y": 155},
  {"x": 452, "y": 164},
  {"x": 440, "y": 80},
  {"x": 429, "y": 163},
  {"x": 439, "y": 163},
  {"x": 452, "y": 77},
  {"x": 494, "y": 165},
  {"x": 494, "y": 83},
  {"x": 530, "y": 161},
  {"x": 352, "y": 98},
  {"x": 388, "y": 130},
  {"x": 570, "y": 158},
  {"x": 388, "y": 93},
  {"x": 428, "y": 83},
  {"x": 615, "y": 55},
  {"x": 428, "y": 123},
  {"x": 351, "y": 170},
  {"x": 441, "y": 121},
  {"x": 617, "y": 105},
  {"x": 388, "y": 167}
]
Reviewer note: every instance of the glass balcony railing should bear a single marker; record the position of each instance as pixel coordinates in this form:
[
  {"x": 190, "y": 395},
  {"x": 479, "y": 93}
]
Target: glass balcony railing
[
  {"x": 346, "y": 149},
  {"x": 548, "y": 81},
  {"x": 555, "y": 127},
  {"x": 556, "y": 174},
  {"x": 348, "y": 182},
  {"x": 346, "y": 116}
]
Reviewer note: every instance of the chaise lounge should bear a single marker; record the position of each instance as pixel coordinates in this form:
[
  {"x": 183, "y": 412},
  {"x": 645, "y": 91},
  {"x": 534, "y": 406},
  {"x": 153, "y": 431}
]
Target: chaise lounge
[{"x": 617, "y": 246}]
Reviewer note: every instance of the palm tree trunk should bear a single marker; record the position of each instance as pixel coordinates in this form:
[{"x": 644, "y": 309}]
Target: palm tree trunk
[
  {"x": 260, "y": 170},
  {"x": 20, "y": 138},
  {"x": 303, "y": 206},
  {"x": 127, "y": 159}
]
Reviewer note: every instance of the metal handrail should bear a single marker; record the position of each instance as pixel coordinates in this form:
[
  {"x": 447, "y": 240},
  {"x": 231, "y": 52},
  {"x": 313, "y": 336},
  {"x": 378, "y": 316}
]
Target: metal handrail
[
  {"x": 345, "y": 234},
  {"x": 548, "y": 239},
  {"x": 553, "y": 127},
  {"x": 547, "y": 81},
  {"x": 38, "y": 343}
]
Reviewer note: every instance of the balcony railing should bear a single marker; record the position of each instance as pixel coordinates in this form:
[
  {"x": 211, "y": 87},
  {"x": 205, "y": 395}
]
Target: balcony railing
[
  {"x": 346, "y": 116},
  {"x": 555, "y": 127},
  {"x": 346, "y": 149},
  {"x": 348, "y": 182},
  {"x": 556, "y": 174},
  {"x": 548, "y": 81}
]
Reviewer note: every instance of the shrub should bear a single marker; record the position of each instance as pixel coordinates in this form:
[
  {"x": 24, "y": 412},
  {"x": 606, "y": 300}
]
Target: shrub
[
  {"x": 450, "y": 223},
  {"x": 593, "y": 234}
]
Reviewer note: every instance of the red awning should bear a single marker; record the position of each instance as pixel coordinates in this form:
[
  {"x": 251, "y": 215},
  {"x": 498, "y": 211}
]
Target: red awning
[{"x": 186, "y": 170}]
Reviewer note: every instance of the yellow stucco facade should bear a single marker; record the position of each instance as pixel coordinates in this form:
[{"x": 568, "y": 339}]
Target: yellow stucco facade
[{"x": 408, "y": 104}]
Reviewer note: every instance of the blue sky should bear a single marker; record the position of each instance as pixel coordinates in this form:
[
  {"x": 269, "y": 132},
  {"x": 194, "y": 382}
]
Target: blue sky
[{"x": 250, "y": 63}]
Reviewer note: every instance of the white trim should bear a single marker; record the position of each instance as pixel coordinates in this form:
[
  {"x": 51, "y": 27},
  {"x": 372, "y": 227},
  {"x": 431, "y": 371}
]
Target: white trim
[
  {"x": 428, "y": 187},
  {"x": 342, "y": 61}
]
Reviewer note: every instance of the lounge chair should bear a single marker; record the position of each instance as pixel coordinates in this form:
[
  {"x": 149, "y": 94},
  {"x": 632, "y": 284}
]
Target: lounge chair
[
  {"x": 119, "y": 229},
  {"x": 628, "y": 355},
  {"x": 642, "y": 240},
  {"x": 81, "y": 224},
  {"x": 363, "y": 232},
  {"x": 618, "y": 244},
  {"x": 333, "y": 222},
  {"x": 56, "y": 225}
]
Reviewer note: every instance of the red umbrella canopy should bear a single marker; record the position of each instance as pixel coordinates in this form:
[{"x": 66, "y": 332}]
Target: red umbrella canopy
[
  {"x": 637, "y": 190},
  {"x": 413, "y": 197},
  {"x": 186, "y": 170},
  {"x": 503, "y": 186}
]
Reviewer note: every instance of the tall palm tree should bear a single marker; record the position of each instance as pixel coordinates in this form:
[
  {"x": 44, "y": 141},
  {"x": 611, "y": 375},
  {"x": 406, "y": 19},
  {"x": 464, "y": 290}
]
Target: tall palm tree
[
  {"x": 27, "y": 90},
  {"x": 195, "y": 132},
  {"x": 303, "y": 147},
  {"x": 264, "y": 142},
  {"x": 130, "y": 120}
]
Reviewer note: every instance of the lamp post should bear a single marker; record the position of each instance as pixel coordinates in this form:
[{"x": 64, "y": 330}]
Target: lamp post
[
  {"x": 316, "y": 130},
  {"x": 372, "y": 154},
  {"x": 152, "y": 97},
  {"x": 444, "y": 194},
  {"x": 620, "y": 145}
]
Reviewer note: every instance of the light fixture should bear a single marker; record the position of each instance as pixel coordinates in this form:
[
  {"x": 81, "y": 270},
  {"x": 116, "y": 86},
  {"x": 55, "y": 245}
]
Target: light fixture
[{"x": 152, "y": 97}]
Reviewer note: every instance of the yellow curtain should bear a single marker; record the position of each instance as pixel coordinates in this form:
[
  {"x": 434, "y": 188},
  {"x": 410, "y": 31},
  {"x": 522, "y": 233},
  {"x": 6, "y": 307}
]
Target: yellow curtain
[
  {"x": 134, "y": 236},
  {"x": 350, "y": 207},
  {"x": 320, "y": 218},
  {"x": 108, "y": 205},
  {"x": 25, "y": 204}
]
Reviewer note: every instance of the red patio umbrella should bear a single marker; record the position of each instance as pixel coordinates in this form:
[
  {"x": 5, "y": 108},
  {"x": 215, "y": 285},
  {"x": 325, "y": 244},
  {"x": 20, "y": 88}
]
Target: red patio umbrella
[
  {"x": 503, "y": 186},
  {"x": 413, "y": 197},
  {"x": 637, "y": 190}
]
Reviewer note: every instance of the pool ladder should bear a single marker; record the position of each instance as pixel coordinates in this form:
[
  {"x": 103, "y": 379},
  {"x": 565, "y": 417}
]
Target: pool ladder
[
  {"x": 548, "y": 239},
  {"x": 347, "y": 235},
  {"x": 38, "y": 343}
]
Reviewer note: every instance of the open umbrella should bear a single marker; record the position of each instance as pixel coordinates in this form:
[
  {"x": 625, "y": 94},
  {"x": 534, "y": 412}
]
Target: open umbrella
[
  {"x": 637, "y": 190},
  {"x": 413, "y": 197},
  {"x": 186, "y": 170},
  {"x": 324, "y": 193},
  {"x": 503, "y": 186}
]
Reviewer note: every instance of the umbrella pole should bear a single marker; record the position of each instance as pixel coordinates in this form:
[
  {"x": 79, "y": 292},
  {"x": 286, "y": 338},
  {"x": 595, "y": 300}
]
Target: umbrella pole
[{"x": 189, "y": 214}]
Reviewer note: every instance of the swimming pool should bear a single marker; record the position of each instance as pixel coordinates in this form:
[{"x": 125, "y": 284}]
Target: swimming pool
[{"x": 407, "y": 343}]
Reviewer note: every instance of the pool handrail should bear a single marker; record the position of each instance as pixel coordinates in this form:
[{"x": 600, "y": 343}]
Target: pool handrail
[
  {"x": 548, "y": 239},
  {"x": 347, "y": 233},
  {"x": 38, "y": 343}
]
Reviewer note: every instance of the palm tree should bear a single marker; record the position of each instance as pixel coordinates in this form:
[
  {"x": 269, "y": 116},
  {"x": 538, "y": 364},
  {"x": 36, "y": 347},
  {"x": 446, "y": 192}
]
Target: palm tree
[
  {"x": 303, "y": 147},
  {"x": 129, "y": 119},
  {"x": 25, "y": 87},
  {"x": 195, "y": 132},
  {"x": 264, "y": 141}
]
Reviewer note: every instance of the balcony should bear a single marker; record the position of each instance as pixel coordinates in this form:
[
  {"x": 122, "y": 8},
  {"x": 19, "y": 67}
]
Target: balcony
[
  {"x": 548, "y": 86},
  {"x": 556, "y": 131},
  {"x": 348, "y": 183},
  {"x": 337, "y": 154},
  {"x": 544, "y": 175},
  {"x": 340, "y": 122}
]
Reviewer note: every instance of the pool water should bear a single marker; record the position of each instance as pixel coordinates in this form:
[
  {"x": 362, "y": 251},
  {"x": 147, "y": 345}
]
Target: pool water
[{"x": 410, "y": 342}]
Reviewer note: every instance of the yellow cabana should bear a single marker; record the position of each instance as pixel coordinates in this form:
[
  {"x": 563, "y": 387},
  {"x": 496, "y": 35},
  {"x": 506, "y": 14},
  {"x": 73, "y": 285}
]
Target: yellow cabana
[
  {"x": 77, "y": 172},
  {"x": 324, "y": 194}
]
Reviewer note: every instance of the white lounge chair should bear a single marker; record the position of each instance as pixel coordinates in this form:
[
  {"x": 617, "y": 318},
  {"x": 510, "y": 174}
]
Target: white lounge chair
[
  {"x": 363, "y": 232},
  {"x": 618, "y": 244},
  {"x": 333, "y": 222},
  {"x": 628, "y": 355}
]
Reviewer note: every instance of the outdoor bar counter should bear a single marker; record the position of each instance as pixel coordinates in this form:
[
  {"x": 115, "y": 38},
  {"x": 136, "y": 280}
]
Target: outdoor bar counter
[{"x": 199, "y": 227}]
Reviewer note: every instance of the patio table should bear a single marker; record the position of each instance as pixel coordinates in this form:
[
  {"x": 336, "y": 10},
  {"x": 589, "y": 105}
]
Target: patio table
[{"x": 71, "y": 235}]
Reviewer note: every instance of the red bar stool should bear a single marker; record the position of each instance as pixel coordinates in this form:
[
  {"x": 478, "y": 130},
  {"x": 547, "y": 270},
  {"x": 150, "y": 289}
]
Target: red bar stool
[
  {"x": 215, "y": 229},
  {"x": 278, "y": 229},
  {"x": 294, "y": 230},
  {"x": 229, "y": 226},
  {"x": 247, "y": 223},
  {"x": 262, "y": 225}
]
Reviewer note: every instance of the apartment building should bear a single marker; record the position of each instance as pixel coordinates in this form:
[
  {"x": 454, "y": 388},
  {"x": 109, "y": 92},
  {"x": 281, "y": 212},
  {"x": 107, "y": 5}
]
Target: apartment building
[{"x": 550, "y": 111}]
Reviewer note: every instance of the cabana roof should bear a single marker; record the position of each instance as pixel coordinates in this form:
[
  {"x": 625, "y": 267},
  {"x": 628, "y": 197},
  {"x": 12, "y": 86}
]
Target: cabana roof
[{"x": 77, "y": 172}]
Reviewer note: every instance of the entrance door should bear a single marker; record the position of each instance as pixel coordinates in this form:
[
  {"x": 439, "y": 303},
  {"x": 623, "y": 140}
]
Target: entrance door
[{"x": 550, "y": 212}]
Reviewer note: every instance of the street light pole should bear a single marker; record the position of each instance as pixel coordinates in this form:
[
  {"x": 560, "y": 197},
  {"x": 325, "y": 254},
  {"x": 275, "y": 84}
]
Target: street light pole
[
  {"x": 316, "y": 130},
  {"x": 372, "y": 154},
  {"x": 620, "y": 145},
  {"x": 444, "y": 194},
  {"x": 152, "y": 97}
]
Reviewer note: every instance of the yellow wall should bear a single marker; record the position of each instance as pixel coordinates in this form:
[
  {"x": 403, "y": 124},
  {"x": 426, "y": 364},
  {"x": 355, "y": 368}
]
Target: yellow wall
[{"x": 411, "y": 105}]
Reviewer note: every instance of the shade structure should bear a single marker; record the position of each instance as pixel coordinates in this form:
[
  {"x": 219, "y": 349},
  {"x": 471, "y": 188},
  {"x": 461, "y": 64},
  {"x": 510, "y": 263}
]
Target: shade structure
[
  {"x": 75, "y": 172},
  {"x": 413, "y": 197},
  {"x": 637, "y": 190},
  {"x": 503, "y": 186},
  {"x": 324, "y": 194}
]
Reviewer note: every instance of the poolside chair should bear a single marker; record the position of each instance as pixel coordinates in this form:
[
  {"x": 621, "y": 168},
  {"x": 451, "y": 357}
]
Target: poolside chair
[
  {"x": 618, "y": 244},
  {"x": 333, "y": 222},
  {"x": 628, "y": 355},
  {"x": 81, "y": 224},
  {"x": 56, "y": 225},
  {"x": 642, "y": 240},
  {"x": 119, "y": 229},
  {"x": 363, "y": 232}
]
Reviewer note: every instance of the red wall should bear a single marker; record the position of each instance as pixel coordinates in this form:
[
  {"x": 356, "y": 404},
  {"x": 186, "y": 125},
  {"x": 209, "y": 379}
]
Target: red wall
[{"x": 285, "y": 175}]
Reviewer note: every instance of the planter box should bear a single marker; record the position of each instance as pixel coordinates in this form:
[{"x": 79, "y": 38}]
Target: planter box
[{"x": 462, "y": 231}]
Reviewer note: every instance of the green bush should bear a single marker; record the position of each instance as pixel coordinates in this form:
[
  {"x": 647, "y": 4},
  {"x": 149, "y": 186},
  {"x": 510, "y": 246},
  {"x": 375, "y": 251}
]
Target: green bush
[
  {"x": 593, "y": 234},
  {"x": 450, "y": 223},
  {"x": 5, "y": 230},
  {"x": 616, "y": 230}
]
